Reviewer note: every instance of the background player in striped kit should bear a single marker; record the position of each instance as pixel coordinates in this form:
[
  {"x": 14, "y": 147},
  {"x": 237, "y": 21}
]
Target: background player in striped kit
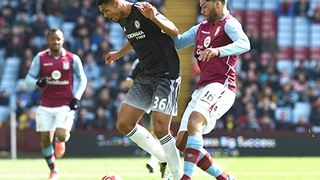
[
  {"x": 53, "y": 70},
  {"x": 217, "y": 43}
]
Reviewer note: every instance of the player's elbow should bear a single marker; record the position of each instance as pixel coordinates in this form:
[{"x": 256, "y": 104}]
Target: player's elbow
[
  {"x": 247, "y": 47},
  {"x": 29, "y": 81},
  {"x": 175, "y": 32}
]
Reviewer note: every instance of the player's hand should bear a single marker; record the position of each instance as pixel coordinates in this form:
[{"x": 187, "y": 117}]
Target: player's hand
[
  {"x": 148, "y": 10},
  {"x": 42, "y": 82},
  {"x": 74, "y": 104},
  {"x": 208, "y": 53},
  {"x": 111, "y": 56}
]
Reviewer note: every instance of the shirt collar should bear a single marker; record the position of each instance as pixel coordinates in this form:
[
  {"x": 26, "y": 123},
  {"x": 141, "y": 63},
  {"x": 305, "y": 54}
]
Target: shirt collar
[{"x": 225, "y": 14}]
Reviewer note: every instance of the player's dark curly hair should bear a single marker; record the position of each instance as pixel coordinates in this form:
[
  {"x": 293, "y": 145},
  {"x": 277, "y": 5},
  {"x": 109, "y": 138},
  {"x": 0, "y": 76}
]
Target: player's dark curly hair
[
  {"x": 53, "y": 30},
  {"x": 100, "y": 2}
]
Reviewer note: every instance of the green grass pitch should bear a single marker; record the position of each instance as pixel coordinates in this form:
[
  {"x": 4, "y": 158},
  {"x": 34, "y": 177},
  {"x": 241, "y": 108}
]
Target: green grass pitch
[{"x": 243, "y": 168}]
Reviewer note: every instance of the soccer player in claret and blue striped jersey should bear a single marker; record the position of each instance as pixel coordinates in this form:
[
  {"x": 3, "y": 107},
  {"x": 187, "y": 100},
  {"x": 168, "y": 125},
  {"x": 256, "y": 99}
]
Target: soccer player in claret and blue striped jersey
[
  {"x": 217, "y": 43},
  {"x": 52, "y": 70}
]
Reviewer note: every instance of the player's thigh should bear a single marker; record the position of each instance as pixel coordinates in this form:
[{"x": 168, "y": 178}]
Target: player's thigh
[
  {"x": 185, "y": 117},
  {"x": 139, "y": 96},
  {"x": 45, "y": 119},
  {"x": 64, "y": 117},
  {"x": 214, "y": 100},
  {"x": 129, "y": 115}
]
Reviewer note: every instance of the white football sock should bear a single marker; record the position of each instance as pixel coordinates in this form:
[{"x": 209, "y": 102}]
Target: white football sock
[
  {"x": 153, "y": 162},
  {"x": 144, "y": 139},
  {"x": 172, "y": 155}
]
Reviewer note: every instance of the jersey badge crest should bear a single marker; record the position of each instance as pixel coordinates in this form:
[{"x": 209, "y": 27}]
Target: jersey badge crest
[
  {"x": 66, "y": 65},
  {"x": 137, "y": 24},
  {"x": 207, "y": 41},
  {"x": 217, "y": 30}
]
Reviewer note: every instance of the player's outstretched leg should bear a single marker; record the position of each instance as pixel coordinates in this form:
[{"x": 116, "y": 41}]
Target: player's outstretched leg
[
  {"x": 172, "y": 155},
  {"x": 143, "y": 138},
  {"x": 49, "y": 156},
  {"x": 207, "y": 164},
  {"x": 192, "y": 155}
]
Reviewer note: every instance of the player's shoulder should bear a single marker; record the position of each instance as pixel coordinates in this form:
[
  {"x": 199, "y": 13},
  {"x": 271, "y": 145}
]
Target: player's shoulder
[
  {"x": 231, "y": 19},
  {"x": 69, "y": 54},
  {"x": 231, "y": 22},
  {"x": 43, "y": 52}
]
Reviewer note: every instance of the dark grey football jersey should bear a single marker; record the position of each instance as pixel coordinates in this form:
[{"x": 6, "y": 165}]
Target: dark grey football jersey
[{"x": 154, "y": 48}]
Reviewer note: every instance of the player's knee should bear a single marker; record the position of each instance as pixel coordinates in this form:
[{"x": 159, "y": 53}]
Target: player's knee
[
  {"x": 123, "y": 127},
  {"x": 45, "y": 140},
  {"x": 196, "y": 123},
  {"x": 161, "y": 132}
]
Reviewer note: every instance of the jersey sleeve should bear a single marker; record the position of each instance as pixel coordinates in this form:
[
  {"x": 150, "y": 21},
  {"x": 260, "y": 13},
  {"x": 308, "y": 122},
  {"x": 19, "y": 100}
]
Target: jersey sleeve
[
  {"x": 187, "y": 38},
  {"x": 82, "y": 78},
  {"x": 241, "y": 43},
  {"x": 33, "y": 73}
]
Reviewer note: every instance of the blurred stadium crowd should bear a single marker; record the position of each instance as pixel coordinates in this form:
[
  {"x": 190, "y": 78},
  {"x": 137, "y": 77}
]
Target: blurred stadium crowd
[{"x": 278, "y": 80}]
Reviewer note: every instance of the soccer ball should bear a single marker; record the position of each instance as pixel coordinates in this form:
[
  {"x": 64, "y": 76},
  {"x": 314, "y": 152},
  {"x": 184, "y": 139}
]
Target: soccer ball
[{"x": 112, "y": 177}]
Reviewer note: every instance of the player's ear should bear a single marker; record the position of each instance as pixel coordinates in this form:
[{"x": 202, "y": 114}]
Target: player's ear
[
  {"x": 116, "y": 3},
  {"x": 217, "y": 3}
]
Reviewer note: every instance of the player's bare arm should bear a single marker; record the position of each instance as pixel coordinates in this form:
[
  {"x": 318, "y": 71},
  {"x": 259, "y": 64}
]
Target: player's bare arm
[
  {"x": 152, "y": 13},
  {"x": 115, "y": 55}
]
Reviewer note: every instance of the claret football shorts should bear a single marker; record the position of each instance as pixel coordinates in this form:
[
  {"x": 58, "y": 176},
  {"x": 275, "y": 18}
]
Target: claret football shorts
[{"x": 154, "y": 94}]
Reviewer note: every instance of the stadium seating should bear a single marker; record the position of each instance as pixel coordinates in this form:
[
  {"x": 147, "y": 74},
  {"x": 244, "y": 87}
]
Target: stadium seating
[
  {"x": 116, "y": 31},
  {"x": 254, "y": 5},
  {"x": 269, "y": 5},
  {"x": 253, "y": 20},
  {"x": 287, "y": 110},
  {"x": 301, "y": 53},
  {"x": 285, "y": 64},
  {"x": 237, "y": 4},
  {"x": 4, "y": 113},
  {"x": 67, "y": 28},
  {"x": 10, "y": 74},
  {"x": 301, "y": 109},
  {"x": 314, "y": 53}
]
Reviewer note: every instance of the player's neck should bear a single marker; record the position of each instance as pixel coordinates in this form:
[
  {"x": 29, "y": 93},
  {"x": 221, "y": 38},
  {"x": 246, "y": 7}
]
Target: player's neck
[
  {"x": 127, "y": 7},
  {"x": 56, "y": 53}
]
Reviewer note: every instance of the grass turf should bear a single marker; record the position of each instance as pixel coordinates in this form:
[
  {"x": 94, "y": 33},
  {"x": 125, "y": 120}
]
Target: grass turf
[{"x": 243, "y": 168}]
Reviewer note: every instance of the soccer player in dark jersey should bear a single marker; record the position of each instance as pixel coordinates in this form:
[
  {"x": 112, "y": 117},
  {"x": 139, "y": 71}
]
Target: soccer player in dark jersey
[
  {"x": 157, "y": 86},
  {"x": 52, "y": 70},
  {"x": 217, "y": 43}
]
